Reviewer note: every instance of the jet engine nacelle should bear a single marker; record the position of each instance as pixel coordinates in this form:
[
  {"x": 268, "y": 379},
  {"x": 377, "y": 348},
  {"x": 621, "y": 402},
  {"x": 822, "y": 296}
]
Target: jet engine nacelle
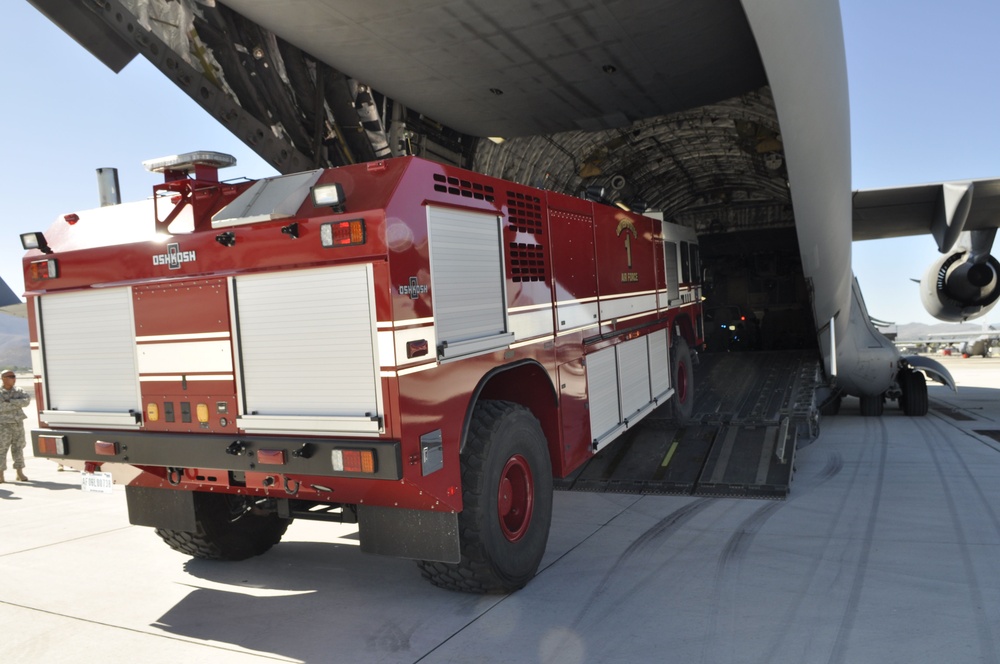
[{"x": 961, "y": 286}]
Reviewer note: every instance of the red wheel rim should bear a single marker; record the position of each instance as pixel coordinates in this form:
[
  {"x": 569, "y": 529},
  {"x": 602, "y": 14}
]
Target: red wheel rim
[
  {"x": 682, "y": 383},
  {"x": 515, "y": 498}
]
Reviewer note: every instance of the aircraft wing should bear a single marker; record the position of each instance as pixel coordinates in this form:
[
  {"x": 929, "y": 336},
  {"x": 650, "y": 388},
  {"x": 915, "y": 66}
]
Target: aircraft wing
[{"x": 942, "y": 209}]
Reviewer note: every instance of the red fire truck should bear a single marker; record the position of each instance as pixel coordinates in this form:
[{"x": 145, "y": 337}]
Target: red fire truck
[{"x": 412, "y": 347}]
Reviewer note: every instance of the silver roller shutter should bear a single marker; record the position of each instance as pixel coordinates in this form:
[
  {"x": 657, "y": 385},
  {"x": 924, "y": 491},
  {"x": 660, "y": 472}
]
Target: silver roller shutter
[
  {"x": 659, "y": 364},
  {"x": 309, "y": 360},
  {"x": 602, "y": 387},
  {"x": 467, "y": 281},
  {"x": 625, "y": 383},
  {"x": 633, "y": 376},
  {"x": 88, "y": 346},
  {"x": 671, "y": 270}
]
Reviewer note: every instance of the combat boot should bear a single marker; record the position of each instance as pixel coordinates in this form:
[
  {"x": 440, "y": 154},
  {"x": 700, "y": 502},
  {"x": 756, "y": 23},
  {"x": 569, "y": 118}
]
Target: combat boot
[{"x": 21, "y": 477}]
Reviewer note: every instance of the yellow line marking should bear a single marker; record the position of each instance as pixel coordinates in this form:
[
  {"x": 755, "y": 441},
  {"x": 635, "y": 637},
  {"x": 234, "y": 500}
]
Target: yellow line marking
[{"x": 670, "y": 455}]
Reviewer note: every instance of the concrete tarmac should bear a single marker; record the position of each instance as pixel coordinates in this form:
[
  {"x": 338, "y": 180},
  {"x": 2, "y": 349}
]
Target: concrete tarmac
[{"x": 887, "y": 550}]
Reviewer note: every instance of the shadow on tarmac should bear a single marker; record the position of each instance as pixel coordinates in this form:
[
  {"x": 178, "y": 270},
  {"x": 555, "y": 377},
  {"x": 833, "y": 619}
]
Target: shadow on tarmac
[
  {"x": 52, "y": 486},
  {"x": 314, "y": 601}
]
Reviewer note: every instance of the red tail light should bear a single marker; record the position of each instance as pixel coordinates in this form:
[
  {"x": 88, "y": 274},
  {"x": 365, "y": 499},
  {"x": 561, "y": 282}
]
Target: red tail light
[
  {"x": 271, "y": 457},
  {"x": 52, "y": 445},
  {"x": 105, "y": 448}
]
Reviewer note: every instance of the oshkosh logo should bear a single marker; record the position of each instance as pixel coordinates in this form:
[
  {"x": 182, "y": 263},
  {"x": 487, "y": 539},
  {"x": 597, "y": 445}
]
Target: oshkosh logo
[
  {"x": 174, "y": 257},
  {"x": 414, "y": 289}
]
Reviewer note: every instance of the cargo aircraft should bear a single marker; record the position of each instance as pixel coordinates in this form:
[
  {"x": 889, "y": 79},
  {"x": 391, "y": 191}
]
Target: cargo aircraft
[{"x": 727, "y": 116}]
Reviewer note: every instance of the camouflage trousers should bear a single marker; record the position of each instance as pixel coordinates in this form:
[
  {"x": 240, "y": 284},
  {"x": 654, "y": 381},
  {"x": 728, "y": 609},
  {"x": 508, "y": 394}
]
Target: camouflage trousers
[{"x": 11, "y": 437}]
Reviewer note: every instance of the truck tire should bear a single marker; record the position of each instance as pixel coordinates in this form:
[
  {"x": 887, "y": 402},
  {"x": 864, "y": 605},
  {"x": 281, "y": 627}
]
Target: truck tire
[
  {"x": 914, "y": 398},
  {"x": 507, "y": 496},
  {"x": 872, "y": 406},
  {"x": 228, "y": 529},
  {"x": 682, "y": 375}
]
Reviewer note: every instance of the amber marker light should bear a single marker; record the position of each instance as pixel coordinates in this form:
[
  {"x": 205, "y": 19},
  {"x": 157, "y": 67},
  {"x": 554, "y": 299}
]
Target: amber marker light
[
  {"x": 201, "y": 410},
  {"x": 152, "y": 412}
]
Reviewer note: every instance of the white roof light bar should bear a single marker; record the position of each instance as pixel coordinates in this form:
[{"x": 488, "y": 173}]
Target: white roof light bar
[{"x": 186, "y": 162}]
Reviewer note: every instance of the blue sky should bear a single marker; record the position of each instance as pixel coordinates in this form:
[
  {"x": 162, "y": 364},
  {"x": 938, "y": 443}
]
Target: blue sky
[{"x": 925, "y": 106}]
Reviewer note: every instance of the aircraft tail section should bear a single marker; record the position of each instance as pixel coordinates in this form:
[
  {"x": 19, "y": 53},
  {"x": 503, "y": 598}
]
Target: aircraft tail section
[
  {"x": 10, "y": 303},
  {"x": 866, "y": 360}
]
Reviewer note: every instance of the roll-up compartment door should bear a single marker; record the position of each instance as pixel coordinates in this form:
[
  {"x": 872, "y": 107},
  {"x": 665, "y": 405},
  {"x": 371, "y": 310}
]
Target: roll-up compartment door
[
  {"x": 659, "y": 364},
  {"x": 89, "y": 358},
  {"x": 307, "y": 344},
  {"x": 633, "y": 376},
  {"x": 671, "y": 269},
  {"x": 467, "y": 281},
  {"x": 625, "y": 383},
  {"x": 602, "y": 388}
]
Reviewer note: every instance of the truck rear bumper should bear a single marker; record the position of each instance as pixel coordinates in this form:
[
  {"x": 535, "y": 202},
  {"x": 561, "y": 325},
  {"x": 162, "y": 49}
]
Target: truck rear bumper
[{"x": 255, "y": 454}]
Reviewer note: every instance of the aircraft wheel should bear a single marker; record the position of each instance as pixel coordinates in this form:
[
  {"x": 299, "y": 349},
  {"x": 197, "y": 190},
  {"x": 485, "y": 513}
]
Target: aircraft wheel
[
  {"x": 682, "y": 372},
  {"x": 228, "y": 529},
  {"x": 507, "y": 497},
  {"x": 914, "y": 400},
  {"x": 872, "y": 406}
]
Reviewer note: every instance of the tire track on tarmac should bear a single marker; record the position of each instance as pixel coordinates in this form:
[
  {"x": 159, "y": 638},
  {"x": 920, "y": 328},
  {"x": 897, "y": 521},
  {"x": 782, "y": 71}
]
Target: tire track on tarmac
[
  {"x": 728, "y": 566},
  {"x": 840, "y": 644},
  {"x": 783, "y": 626},
  {"x": 984, "y": 632},
  {"x": 662, "y": 530}
]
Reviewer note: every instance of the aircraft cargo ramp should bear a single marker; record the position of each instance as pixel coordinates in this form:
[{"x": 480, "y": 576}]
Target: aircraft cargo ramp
[{"x": 750, "y": 412}]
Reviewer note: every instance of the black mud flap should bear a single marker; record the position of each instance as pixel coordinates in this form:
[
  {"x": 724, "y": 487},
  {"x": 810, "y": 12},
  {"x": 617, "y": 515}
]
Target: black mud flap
[
  {"x": 403, "y": 533},
  {"x": 161, "y": 508}
]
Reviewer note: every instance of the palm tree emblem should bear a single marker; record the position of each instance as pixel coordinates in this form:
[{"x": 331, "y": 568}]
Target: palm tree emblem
[{"x": 627, "y": 225}]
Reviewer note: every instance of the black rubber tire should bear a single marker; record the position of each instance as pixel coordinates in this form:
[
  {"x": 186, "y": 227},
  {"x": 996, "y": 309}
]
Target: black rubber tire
[
  {"x": 872, "y": 406},
  {"x": 227, "y": 529},
  {"x": 914, "y": 400},
  {"x": 501, "y": 433},
  {"x": 682, "y": 377}
]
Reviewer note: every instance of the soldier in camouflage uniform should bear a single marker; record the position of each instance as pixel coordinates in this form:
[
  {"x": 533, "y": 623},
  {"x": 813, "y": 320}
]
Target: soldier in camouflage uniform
[{"x": 12, "y": 403}]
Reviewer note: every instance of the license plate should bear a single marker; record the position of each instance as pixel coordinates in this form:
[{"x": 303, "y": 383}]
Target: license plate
[{"x": 99, "y": 482}]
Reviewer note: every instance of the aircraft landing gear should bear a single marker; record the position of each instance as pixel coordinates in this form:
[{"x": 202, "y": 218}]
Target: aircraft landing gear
[{"x": 913, "y": 400}]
